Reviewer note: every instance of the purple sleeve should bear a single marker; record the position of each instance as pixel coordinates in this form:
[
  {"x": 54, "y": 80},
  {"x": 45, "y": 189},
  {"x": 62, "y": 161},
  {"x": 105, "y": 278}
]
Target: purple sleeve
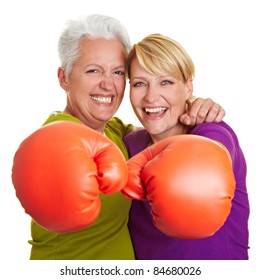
[{"x": 222, "y": 133}]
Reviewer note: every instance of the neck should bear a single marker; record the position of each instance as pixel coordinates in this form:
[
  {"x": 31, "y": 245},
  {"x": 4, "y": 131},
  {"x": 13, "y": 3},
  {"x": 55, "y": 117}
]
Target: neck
[{"x": 175, "y": 131}]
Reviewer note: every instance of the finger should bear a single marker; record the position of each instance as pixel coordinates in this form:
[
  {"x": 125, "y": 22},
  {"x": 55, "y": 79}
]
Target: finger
[
  {"x": 185, "y": 119},
  {"x": 212, "y": 113},
  {"x": 199, "y": 110},
  {"x": 215, "y": 114},
  {"x": 220, "y": 115}
]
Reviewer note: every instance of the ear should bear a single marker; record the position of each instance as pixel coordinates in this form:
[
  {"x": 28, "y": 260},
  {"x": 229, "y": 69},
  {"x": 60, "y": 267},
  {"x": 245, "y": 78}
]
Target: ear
[
  {"x": 62, "y": 78},
  {"x": 189, "y": 88}
]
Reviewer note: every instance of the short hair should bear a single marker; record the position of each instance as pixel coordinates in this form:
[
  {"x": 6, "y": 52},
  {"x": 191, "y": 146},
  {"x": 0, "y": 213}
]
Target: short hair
[
  {"x": 161, "y": 55},
  {"x": 92, "y": 26}
]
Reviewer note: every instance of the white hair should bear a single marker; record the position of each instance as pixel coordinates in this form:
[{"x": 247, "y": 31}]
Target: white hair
[{"x": 92, "y": 26}]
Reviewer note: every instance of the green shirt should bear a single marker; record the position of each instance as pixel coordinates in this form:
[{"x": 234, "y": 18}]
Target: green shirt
[{"x": 108, "y": 237}]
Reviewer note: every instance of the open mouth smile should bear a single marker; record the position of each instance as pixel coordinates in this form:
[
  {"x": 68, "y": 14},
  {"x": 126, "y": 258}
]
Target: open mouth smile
[
  {"x": 155, "y": 110},
  {"x": 102, "y": 99}
]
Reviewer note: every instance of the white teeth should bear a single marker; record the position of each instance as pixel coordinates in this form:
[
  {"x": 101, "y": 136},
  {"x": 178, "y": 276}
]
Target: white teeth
[
  {"x": 101, "y": 99},
  {"x": 155, "y": 110}
]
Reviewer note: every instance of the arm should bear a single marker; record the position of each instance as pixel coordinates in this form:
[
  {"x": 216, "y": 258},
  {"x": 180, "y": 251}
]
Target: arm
[
  {"x": 189, "y": 183},
  {"x": 59, "y": 171}
]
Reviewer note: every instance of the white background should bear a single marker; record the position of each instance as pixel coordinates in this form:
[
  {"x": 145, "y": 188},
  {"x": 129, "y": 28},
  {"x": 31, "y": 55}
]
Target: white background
[{"x": 222, "y": 38}]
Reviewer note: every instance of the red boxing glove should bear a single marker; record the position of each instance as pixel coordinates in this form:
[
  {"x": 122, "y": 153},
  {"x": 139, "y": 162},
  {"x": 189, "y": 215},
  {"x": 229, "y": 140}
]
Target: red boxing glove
[
  {"x": 59, "y": 171},
  {"x": 189, "y": 183}
]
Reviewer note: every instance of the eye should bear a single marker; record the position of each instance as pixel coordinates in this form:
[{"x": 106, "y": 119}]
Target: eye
[
  {"x": 92, "y": 71},
  {"x": 120, "y": 72},
  {"x": 167, "y": 82},
  {"x": 138, "y": 84}
]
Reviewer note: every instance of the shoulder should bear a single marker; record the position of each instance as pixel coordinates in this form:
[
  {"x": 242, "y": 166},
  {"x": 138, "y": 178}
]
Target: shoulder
[
  {"x": 220, "y": 132},
  {"x": 117, "y": 126},
  {"x": 136, "y": 141},
  {"x": 59, "y": 116},
  {"x": 214, "y": 130},
  {"x": 137, "y": 134}
]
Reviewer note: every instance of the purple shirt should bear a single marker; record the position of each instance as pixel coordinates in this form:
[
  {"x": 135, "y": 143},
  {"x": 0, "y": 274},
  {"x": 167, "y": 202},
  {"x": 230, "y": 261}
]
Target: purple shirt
[{"x": 230, "y": 242}]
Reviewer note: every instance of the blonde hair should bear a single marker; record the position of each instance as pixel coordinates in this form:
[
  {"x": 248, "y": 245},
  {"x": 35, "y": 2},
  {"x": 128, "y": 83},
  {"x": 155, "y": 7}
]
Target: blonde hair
[{"x": 160, "y": 55}]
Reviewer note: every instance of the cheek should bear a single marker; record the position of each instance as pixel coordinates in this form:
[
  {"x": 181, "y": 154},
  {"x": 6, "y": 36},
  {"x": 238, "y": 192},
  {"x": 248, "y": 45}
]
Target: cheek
[
  {"x": 120, "y": 87},
  {"x": 180, "y": 97},
  {"x": 80, "y": 83},
  {"x": 133, "y": 98},
  {"x": 79, "y": 90}
]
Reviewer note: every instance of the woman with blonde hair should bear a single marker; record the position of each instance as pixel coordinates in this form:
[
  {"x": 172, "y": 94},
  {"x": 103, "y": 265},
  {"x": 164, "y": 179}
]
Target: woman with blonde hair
[{"x": 161, "y": 77}]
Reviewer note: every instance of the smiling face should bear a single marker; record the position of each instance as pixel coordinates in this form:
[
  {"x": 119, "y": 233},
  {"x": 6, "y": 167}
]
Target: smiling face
[
  {"x": 95, "y": 87},
  {"x": 158, "y": 101}
]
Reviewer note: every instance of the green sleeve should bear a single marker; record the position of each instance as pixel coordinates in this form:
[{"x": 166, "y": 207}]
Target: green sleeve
[{"x": 116, "y": 130}]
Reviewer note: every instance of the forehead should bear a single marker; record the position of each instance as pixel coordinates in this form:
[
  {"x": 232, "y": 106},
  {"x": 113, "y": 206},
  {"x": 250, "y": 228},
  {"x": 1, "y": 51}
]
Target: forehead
[
  {"x": 100, "y": 48},
  {"x": 137, "y": 70}
]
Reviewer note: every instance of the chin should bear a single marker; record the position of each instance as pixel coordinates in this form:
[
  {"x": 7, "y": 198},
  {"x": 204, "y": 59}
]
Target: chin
[{"x": 155, "y": 132}]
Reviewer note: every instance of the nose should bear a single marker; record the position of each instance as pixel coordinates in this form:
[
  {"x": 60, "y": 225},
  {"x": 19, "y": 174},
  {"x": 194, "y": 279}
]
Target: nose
[
  {"x": 152, "y": 94},
  {"x": 106, "y": 82}
]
